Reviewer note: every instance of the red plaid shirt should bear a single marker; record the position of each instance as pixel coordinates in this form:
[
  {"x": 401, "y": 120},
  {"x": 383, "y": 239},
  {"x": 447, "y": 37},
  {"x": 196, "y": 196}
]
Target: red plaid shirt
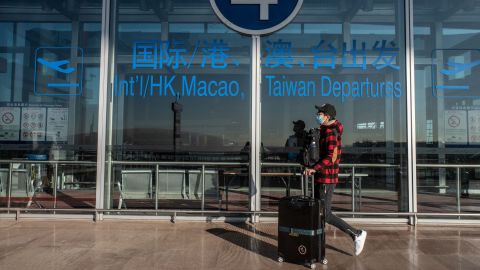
[{"x": 327, "y": 168}]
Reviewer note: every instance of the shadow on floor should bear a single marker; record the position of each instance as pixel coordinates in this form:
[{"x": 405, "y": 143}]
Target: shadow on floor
[
  {"x": 253, "y": 229},
  {"x": 327, "y": 246},
  {"x": 247, "y": 242},
  {"x": 253, "y": 244}
]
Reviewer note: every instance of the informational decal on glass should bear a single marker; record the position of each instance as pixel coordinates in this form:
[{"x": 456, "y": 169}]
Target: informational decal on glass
[
  {"x": 456, "y": 127},
  {"x": 327, "y": 57},
  {"x": 454, "y": 73},
  {"x": 56, "y": 74},
  {"x": 474, "y": 127},
  {"x": 9, "y": 123},
  {"x": 57, "y": 124},
  {"x": 216, "y": 54},
  {"x": 33, "y": 124}
]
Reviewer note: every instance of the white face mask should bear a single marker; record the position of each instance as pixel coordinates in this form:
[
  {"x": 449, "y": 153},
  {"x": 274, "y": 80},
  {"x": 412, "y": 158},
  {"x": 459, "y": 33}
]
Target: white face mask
[{"x": 320, "y": 119}]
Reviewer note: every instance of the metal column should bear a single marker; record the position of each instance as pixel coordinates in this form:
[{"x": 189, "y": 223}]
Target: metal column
[
  {"x": 255, "y": 155},
  {"x": 103, "y": 105},
  {"x": 411, "y": 128}
]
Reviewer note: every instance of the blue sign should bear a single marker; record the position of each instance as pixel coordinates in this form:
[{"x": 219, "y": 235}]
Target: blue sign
[
  {"x": 175, "y": 55},
  {"x": 56, "y": 73},
  {"x": 454, "y": 72},
  {"x": 158, "y": 54},
  {"x": 279, "y": 54},
  {"x": 256, "y": 17}
]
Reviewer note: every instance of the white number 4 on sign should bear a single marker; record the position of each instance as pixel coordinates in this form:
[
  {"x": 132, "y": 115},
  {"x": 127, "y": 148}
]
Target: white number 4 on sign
[{"x": 264, "y": 4}]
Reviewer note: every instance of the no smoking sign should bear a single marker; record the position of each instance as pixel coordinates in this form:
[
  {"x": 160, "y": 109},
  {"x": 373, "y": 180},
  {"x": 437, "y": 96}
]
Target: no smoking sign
[
  {"x": 8, "y": 118},
  {"x": 454, "y": 121}
]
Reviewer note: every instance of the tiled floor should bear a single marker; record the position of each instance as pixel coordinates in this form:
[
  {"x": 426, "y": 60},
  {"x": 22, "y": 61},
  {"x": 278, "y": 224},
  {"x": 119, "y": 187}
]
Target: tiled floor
[{"x": 186, "y": 245}]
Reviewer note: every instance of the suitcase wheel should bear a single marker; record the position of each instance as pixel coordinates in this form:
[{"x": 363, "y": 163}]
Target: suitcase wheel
[
  {"x": 324, "y": 261},
  {"x": 312, "y": 266},
  {"x": 280, "y": 259}
]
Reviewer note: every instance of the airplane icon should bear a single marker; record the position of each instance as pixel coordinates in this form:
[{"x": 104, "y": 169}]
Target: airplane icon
[
  {"x": 66, "y": 75},
  {"x": 464, "y": 70},
  {"x": 459, "y": 67},
  {"x": 56, "y": 65}
]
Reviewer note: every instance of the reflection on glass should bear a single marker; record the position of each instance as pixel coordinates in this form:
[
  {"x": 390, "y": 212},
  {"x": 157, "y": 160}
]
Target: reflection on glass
[
  {"x": 447, "y": 64},
  {"x": 181, "y": 92},
  {"x": 49, "y": 68},
  {"x": 354, "y": 61},
  {"x": 205, "y": 73}
]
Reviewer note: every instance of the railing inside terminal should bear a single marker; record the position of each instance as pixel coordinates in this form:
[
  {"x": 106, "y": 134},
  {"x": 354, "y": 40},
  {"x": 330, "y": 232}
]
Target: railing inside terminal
[
  {"x": 175, "y": 185},
  {"x": 47, "y": 184},
  {"x": 448, "y": 188},
  {"x": 224, "y": 187},
  {"x": 373, "y": 184}
]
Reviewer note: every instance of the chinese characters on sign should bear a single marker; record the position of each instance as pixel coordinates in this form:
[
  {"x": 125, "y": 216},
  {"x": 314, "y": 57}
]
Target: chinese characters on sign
[
  {"x": 324, "y": 59},
  {"x": 279, "y": 53},
  {"x": 157, "y": 54},
  {"x": 173, "y": 55},
  {"x": 176, "y": 55}
]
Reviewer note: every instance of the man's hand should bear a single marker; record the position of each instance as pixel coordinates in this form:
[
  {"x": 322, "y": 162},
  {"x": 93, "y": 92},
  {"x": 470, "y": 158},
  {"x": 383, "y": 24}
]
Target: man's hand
[{"x": 309, "y": 171}]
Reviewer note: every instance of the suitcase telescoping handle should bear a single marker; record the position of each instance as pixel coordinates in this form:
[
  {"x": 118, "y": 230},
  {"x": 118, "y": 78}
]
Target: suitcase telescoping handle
[
  {"x": 309, "y": 181},
  {"x": 321, "y": 222},
  {"x": 299, "y": 201}
]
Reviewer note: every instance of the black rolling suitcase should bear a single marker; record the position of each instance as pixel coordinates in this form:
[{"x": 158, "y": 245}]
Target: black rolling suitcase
[{"x": 301, "y": 237}]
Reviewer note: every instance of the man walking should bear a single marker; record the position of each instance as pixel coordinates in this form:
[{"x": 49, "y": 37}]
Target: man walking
[{"x": 326, "y": 171}]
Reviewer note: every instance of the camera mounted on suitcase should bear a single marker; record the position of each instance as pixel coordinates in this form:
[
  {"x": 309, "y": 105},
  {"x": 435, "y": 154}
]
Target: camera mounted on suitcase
[{"x": 310, "y": 155}]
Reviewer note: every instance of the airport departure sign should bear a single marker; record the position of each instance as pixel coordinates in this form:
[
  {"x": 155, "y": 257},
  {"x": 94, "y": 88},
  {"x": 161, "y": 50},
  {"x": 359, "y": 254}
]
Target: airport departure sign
[{"x": 256, "y": 17}]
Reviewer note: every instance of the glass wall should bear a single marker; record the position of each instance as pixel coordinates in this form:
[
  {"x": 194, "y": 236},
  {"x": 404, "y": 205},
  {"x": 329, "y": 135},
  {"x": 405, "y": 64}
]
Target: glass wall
[
  {"x": 180, "y": 93},
  {"x": 49, "y": 73},
  {"x": 350, "y": 54},
  {"x": 179, "y": 112},
  {"x": 447, "y": 82}
]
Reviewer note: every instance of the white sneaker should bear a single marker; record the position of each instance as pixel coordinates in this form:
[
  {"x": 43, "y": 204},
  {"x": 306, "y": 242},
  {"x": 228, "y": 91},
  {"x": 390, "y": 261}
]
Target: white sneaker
[{"x": 359, "y": 242}]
